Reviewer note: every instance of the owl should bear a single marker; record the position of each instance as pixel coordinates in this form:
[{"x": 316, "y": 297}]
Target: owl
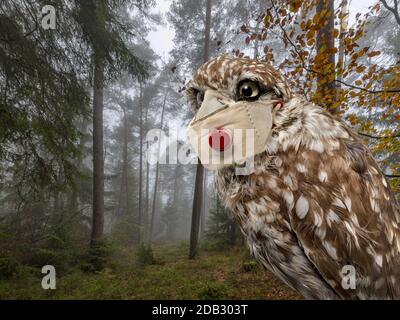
[{"x": 317, "y": 210}]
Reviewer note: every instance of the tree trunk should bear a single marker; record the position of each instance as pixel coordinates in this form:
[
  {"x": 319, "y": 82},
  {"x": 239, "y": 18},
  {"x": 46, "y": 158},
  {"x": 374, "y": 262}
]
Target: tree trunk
[
  {"x": 98, "y": 151},
  {"x": 256, "y": 41},
  {"x": 196, "y": 213},
  {"x": 203, "y": 208},
  {"x": 326, "y": 86},
  {"x": 124, "y": 174},
  {"x": 120, "y": 196},
  {"x": 141, "y": 159},
  {"x": 126, "y": 165},
  {"x": 344, "y": 16},
  {"x": 206, "y": 52},
  {"x": 153, "y": 207},
  {"x": 145, "y": 220},
  {"x": 198, "y": 186},
  {"x": 172, "y": 235}
]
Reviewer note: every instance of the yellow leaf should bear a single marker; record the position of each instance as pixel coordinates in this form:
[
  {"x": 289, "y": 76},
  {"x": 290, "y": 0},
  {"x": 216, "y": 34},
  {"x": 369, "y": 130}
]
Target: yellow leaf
[
  {"x": 310, "y": 42},
  {"x": 373, "y": 54},
  {"x": 360, "y": 69}
]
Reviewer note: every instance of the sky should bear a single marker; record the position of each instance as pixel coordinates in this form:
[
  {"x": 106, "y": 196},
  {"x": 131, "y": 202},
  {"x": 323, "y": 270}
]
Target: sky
[{"x": 161, "y": 38}]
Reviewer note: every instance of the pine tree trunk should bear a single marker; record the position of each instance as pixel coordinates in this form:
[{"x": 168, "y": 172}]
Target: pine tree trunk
[
  {"x": 197, "y": 202},
  {"x": 198, "y": 185},
  {"x": 124, "y": 174},
  {"x": 98, "y": 151},
  {"x": 125, "y": 169},
  {"x": 126, "y": 165},
  {"x": 153, "y": 208},
  {"x": 326, "y": 86},
  {"x": 203, "y": 207},
  {"x": 344, "y": 16},
  {"x": 256, "y": 41},
  {"x": 175, "y": 197},
  {"x": 120, "y": 196},
  {"x": 141, "y": 159},
  {"x": 145, "y": 220}
]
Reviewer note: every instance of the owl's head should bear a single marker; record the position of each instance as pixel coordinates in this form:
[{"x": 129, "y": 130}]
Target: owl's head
[
  {"x": 229, "y": 93},
  {"x": 236, "y": 79}
]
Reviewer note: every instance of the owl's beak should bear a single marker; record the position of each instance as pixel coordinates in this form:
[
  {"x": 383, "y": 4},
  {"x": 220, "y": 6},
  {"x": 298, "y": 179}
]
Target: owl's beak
[{"x": 219, "y": 138}]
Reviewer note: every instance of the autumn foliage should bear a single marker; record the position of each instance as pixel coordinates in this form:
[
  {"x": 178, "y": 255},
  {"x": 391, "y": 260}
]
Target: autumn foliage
[{"x": 329, "y": 63}]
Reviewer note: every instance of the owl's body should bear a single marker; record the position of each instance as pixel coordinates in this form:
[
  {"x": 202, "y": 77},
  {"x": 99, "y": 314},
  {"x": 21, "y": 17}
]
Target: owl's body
[{"x": 317, "y": 205}]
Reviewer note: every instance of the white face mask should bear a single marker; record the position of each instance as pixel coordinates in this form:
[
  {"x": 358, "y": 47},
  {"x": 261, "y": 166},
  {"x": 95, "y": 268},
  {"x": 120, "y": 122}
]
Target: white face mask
[{"x": 225, "y": 132}]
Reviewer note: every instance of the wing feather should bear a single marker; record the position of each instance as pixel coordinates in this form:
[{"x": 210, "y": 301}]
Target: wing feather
[{"x": 358, "y": 221}]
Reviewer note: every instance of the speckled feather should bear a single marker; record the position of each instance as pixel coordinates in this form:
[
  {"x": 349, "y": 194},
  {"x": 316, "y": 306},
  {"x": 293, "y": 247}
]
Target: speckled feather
[{"x": 317, "y": 200}]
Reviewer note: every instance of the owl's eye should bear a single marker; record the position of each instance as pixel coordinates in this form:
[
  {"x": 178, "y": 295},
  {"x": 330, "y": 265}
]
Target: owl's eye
[
  {"x": 248, "y": 90},
  {"x": 199, "y": 97}
]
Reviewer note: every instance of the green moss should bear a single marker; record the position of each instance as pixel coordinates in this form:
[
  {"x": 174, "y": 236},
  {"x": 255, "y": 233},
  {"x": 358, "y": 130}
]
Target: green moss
[
  {"x": 213, "y": 291},
  {"x": 249, "y": 265}
]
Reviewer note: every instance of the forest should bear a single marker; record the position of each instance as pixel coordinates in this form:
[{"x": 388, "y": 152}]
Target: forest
[{"x": 93, "y": 117}]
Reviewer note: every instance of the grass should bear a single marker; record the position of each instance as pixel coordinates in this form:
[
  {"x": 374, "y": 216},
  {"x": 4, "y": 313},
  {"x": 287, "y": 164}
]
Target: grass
[{"x": 213, "y": 275}]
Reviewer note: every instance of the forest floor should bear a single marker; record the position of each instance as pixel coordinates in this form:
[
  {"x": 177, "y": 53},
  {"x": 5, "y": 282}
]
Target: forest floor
[{"x": 230, "y": 274}]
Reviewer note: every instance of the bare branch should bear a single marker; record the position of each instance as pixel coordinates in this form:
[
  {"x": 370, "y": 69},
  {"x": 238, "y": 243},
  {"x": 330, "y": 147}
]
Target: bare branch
[
  {"x": 394, "y": 9},
  {"x": 390, "y": 176},
  {"x": 378, "y": 137}
]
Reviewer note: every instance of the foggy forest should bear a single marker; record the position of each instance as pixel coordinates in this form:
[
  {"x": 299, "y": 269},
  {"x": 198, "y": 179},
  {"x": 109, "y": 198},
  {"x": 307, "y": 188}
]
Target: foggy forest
[{"x": 93, "y": 114}]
